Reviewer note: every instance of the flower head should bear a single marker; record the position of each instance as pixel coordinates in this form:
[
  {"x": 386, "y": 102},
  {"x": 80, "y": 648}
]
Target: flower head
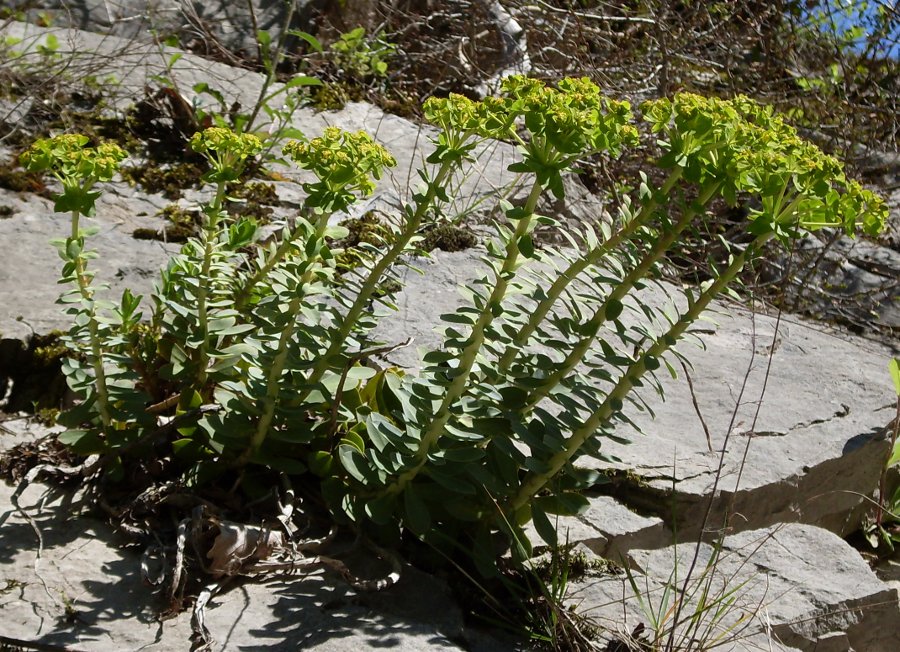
[
  {"x": 67, "y": 157},
  {"x": 77, "y": 167},
  {"x": 226, "y": 151},
  {"x": 344, "y": 163}
]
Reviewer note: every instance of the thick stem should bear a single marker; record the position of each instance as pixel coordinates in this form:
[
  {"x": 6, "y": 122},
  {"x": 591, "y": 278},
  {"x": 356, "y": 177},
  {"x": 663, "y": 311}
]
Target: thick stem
[
  {"x": 96, "y": 356},
  {"x": 535, "y": 482},
  {"x": 473, "y": 344},
  {"x": 371, "y": 283},
  {"x": 273, "y": 379},
  {"x": 592, "y": 257},
  {"x": 209, "y": 236},
  {"x": 243, "y": 295},
  {"x": 659, "y": 249}
]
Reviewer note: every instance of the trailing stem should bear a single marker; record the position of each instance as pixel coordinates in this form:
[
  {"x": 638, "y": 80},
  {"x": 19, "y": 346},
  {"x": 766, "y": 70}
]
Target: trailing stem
[
  {"x": 273, "y": 378},
  {"x": 209, "y": 236},
  {"x": 473, "y": 344},
  {"x": 566, "y": 277},
  {"x": 614, "y": 300},
  {"x": 535, "y": 482},
  {"x": 87, "y": 296},
  {"x": 368, "y": 288}
]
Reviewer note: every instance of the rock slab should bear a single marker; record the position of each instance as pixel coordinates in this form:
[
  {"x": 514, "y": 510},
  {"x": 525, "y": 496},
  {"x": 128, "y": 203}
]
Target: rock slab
[{"x": 784, "y": 593}]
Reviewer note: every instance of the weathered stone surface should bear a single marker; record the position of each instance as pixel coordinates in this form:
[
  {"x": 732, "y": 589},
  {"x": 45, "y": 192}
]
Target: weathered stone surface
[
  {"x": 225, "y": 29},
  {"x": 29, "y": 266},
  {"x": 781, "y": 586},
  {"x": 608, "y": 529},
  {"x": 854, "y": 282},
  {"x": 84, "y": 590}
]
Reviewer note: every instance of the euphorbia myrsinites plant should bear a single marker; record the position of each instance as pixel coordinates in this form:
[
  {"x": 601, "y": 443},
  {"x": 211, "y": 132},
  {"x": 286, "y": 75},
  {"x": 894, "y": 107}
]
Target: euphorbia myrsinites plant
[{"x": 259, "y": 352}]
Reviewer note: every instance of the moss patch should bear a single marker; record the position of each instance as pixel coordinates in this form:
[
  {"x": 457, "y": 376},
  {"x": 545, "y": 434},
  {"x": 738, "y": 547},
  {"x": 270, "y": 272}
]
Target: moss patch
[
  {"x": 180, "y": 225},
  {"x": 30, "y": 376},
  {"x": 368, "y": 229},
  {"x": 448, "y": 237},
  {"x": 169, "y": 180},
  {"x": 14, "y": 178},
  {"x": 251, "y": 199}
]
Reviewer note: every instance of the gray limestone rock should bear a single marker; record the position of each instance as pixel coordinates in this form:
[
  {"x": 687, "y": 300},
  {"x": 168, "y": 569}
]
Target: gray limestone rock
[
  {"x": 783, "y": 593},
  {"x": 83, "y": 590},
  {"x": 224, "y": 29}
]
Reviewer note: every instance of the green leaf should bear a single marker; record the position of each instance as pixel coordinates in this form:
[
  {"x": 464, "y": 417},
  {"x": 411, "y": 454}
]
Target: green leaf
[
  {"x": 465, "y": 455},
  {"x": 417, "y": 517},
  {"x": 73, "y": 248},
  {"x": 203, "y": 87},
  {"x": 613, "y": 309},
  {"x": 381, "y": 509},
  {"x": 448, "y": 481},
  {"x": 526, "y": 246},
  {"x": 360, "y": 372},
  {"x": 895, "y": 456},
  {"x": 82, "y": 441},
  {"x": 353, "y": 439},
  {"x": 354, "y": 463},
  {"x": 264, "y": 38},
  {"x": 544, "y": 527},
  {"x": 279, "y": 462},
  {"x": 894, "y": 368},
  {"x": 567, "y": 503},
  {"x": 309, "y": 38},
  {"x": 457, "y": 318},
  {"x": 302, "y": 80},
  {"x": 320, "y": 463}
]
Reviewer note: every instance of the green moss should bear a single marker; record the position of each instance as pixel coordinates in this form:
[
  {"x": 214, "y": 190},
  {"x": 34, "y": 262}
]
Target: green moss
[
  {"x": 179, "y": 216},
  {"x": 12, "y": 177},
  {"x": 254, "y": 199},
  {"x": 166, "y": 234},
  {"x": 46, "y": 416},
  {"x": 48, "y": 349},
  {"x": 388, "y": 288},
  {"x": 333, "y": 96},
  {"x": 6, "y": 211},
  {"x": 578, "y": 564},
  {"x": 181, "y": 224},
  {"x": 170, "y": 180},
  {"x": 448, "y": 237},
  {"x": 625, "y": 478},
  {"x": 369, "y": 229}
]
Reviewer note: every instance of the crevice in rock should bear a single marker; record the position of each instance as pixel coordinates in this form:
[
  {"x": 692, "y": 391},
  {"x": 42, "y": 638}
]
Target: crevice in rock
[{"x": 31, "y": 379}]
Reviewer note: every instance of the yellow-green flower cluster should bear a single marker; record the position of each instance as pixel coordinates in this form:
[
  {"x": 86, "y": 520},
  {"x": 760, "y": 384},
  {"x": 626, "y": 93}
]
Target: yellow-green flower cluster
[
  {"x": 345, "y": 164},
  {"x": 67, "y": 157},
  {"x": 573, "y": 118},
  {"x": 225, "y": 141},
  {"x": 455, "y": 112},
  {"x": 226, "y": 151},
  {"x": 745, "y": 147}
]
